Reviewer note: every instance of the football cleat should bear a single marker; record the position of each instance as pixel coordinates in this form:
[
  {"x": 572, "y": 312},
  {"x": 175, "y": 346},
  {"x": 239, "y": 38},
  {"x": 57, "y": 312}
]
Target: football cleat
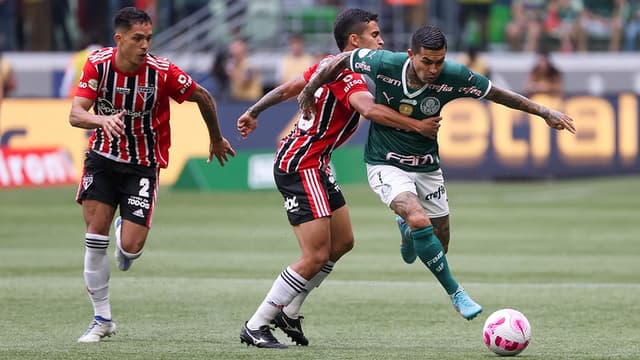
[
  {"x": 262, "y": 338},
  {"x": 291, "y": 327},
  {"x": 465, "y": 305},
  {"x": 406, "y": 245},
  {"x": 97, "y": 330},
  {"x": 123, "y": 262}
]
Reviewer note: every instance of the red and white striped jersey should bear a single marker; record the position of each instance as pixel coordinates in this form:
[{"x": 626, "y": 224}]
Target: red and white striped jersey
[
  {"x": 311, "y": 142},
  {"x": 144, "y": 95}
]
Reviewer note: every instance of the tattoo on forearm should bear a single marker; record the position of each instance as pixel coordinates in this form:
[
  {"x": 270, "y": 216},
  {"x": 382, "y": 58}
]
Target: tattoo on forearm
[
  {"x": 518, "y": 102},
  {"x": 273, "y": 97}
]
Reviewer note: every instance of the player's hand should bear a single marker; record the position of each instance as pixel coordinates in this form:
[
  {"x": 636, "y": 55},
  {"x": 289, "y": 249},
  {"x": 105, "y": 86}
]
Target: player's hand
[
  {"x": 220, "y": 149},
  {"x": 246, "y": 124},
  {"x": 560, "y": 121},
  {"x": 307, "y": 105},
  {"x": 429, "y": 127},
  {"x": 113, "y": 125}
]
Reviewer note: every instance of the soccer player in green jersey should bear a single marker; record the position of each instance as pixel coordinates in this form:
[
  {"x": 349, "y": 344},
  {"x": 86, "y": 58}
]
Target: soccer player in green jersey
[{"x": 404, "y": 168}]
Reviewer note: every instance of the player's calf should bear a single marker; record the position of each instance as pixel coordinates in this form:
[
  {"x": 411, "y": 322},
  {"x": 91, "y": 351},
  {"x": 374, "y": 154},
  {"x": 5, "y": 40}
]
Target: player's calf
[{"x": 123, "y": 258}]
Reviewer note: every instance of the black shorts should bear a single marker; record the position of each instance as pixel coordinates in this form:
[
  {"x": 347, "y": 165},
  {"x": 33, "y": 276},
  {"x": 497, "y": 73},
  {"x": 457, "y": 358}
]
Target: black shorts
[
  {"x": 132, "y": 187},
  {"x": 308, "y": 194}
]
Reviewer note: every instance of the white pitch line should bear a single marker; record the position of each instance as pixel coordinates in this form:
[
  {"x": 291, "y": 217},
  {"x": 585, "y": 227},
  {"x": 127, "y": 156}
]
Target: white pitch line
[{"x": 329, "y": 281}]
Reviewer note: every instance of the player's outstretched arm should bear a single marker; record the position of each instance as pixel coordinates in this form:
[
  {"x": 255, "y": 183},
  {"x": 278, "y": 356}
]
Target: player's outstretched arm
[
  {"x": 218, "y": 145},
  {"x": 248, "y": 121},
  {"x": 364, "y": 103},
  {"x": 325, "y": 74},
  {"x": 555, "y": 119}
]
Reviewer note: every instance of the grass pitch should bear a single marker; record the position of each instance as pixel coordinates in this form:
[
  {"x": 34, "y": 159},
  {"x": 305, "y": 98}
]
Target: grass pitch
[{"x": 565, "y": 253}]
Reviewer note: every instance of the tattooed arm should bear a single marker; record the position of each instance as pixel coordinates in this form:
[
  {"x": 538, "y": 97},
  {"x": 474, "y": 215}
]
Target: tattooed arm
[
  {"x": 555, "y": 119},
  {"x": 279, "y": 94},
  {"x": 248, "y": 121},
  {"x": 324, "y": 74}
]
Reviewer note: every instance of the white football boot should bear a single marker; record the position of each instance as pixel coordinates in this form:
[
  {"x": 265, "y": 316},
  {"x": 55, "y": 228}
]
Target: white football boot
[{"x": 97, "y": 330}]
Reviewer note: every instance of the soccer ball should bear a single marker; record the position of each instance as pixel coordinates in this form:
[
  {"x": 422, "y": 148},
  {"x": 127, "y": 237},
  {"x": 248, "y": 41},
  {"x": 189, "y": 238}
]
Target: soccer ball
[{"x": 506, "y": 332}]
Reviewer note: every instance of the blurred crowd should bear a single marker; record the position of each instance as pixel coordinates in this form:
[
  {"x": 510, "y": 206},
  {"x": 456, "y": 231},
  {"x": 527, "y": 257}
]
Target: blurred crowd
[
  {"x": 473, "y": 27},
  {"x": 554, "y": 25},
  {"x": 67, "y": 25},
  {"x": 512, "y": 25}
]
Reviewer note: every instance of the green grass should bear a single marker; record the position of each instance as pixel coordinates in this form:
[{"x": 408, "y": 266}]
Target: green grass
[{"x": 566, "y": 253}]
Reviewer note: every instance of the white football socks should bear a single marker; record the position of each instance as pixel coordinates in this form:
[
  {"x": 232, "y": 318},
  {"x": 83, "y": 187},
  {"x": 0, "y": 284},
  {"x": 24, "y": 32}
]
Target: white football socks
[
  {"x": 97, "y": 273},
  {"x": 293, "y": 309},
  {"x": 286, "y": 286}
]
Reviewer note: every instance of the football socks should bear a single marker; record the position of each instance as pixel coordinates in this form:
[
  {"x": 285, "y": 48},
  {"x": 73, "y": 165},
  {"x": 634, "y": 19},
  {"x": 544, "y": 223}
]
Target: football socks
[
  {"x": 286, "y": 286},
  {"x": 430, "y": 251},
  {"x": 97, "y": 272},
  {"x": 293, "y": 309}
]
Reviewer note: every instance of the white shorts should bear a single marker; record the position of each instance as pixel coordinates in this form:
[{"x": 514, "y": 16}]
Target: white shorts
[{"x": 388, "y": 181}]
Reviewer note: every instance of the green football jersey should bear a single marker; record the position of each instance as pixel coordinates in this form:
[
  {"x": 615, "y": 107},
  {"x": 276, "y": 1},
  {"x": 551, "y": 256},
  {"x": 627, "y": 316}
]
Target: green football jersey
[{"x": 407, "y": 150}]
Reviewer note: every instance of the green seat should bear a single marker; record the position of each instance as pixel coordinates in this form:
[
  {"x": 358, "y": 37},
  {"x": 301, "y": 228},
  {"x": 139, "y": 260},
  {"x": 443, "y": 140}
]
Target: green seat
[
  {"x": 312, "y": 19},
  {"x": 499, "y": 17}
]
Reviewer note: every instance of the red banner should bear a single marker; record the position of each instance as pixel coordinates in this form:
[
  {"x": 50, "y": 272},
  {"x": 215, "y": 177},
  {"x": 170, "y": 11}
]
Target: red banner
[{"x": 32, "y": 167}]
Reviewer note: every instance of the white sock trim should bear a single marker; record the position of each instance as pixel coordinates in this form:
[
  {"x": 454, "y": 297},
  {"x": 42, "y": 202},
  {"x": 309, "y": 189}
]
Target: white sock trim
[{"x": 96, "y": 237}]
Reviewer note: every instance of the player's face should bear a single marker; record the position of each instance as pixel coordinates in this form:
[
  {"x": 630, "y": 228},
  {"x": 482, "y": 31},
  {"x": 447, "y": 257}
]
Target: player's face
[
  {"x": 428, "y": 64},
  {"x": 370, "y": 37},
  {"x": 134, "y": 44}
]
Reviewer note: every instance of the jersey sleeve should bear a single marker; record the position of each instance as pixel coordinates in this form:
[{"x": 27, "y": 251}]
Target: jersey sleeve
[
  {"x": 179, "y": 84},
  {"x": 348, "y": 84},
  {"x": 475, "y": 85},
  {"x": 88, "y": 83},
  {"x": 366, "y": 61},
  {"x": 314, "y": 68}
]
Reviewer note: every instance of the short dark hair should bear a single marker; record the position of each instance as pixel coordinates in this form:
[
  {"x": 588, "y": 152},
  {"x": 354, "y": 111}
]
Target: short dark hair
[
  {"x": 351, "y": 21},
  {"x": 429, "y": 37},
  {"x": 126, "y": 17}
]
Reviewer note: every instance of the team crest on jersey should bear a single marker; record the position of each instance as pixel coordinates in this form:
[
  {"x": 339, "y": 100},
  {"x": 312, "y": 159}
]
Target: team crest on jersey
[
  {"x": 430, "y": 106},
  {"x": 146, "y": 91},
  {"x": 405, "y": 109},
  {"x": 87, "y": 180}
]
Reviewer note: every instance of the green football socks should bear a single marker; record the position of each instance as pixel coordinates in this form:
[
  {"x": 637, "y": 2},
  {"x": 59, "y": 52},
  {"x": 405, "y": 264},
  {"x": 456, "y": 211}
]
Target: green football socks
[{"x": 430, "y": 251}]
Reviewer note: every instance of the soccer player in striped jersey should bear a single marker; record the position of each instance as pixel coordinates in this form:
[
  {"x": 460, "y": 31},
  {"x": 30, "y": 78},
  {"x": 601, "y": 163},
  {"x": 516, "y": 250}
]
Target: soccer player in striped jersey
[
  {"x": 403, "y": 169},
  {"x": 129, "y": 91},
  {"x": 314, "y": 203}
]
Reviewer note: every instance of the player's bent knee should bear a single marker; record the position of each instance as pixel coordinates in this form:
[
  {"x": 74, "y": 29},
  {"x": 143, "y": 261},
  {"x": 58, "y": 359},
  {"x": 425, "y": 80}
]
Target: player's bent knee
[
  {"x": 133, "y": 246},
  {"x": 348, "y": 245},
  {"x": 418, "y": 220},
  {"x": 317, "y": 261},
  {"x": 338, "y": 250}
]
